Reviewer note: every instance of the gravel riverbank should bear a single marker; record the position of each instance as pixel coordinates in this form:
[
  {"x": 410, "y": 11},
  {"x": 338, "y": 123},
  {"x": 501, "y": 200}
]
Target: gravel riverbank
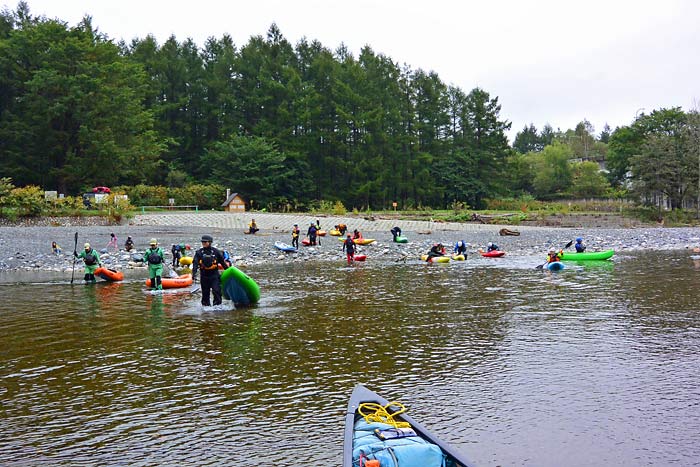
[{"x": 28, "y": 247}]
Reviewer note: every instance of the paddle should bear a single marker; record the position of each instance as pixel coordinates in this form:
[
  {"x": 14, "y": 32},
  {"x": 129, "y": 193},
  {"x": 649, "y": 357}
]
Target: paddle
[
  {"x": 540, "y": 266},
  {"x": 75, "y": 252}
]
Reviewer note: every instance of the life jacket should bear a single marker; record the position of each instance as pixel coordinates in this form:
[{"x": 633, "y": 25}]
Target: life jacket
[
  {"x": 90, "y": 258},
  {"x": 208, "y": 261},
  {"x": 154, "y": 257},
  {"x": 295, "y": 233}
]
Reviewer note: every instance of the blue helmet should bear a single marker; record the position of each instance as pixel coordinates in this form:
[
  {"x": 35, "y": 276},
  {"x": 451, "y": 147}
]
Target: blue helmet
[{"x": 579, "y": 239}]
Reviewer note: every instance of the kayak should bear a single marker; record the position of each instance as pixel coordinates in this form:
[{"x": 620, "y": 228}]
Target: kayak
[
  {"x": 238, "y": 287},
  {"x": 435, "y": 259},
  {"x": 360, "y": 241},
  {"x": 458, "y": 257},
  {"x": 586, "y": 256},
  {"x": 384, "y": 440},
  {"x": 110, "y": 275},
  {"x": 335, "y": 233},
  {"x": 400, "y": 239},
  {"x": 493, "y": 254},
  {"x": 321, "y": 233},
  {"x": 185, "y": 260},
  {"x": 184, "y": 280},
  {"x": 359, "y": 257},
  {"x": 284, "y": 247},
  {"x": 555, "y": 266}
]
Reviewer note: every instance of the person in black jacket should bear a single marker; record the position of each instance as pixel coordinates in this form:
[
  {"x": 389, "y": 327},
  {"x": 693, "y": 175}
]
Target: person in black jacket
[{"x": 207, "y": 259}]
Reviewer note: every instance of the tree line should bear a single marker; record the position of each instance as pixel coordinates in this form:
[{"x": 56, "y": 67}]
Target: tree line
[{"x": 285, "y": 125}]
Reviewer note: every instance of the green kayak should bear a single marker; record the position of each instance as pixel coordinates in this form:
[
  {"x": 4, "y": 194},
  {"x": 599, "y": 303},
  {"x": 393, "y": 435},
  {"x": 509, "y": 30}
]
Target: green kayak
[{"x": 586, "y": 256}]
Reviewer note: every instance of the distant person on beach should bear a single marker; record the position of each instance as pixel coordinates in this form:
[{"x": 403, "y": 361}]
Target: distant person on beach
[
  {"x": 396, "y": 232},
  {"x": 55, "y": 248},
  {"x": 113, "y": 242},
  {"x": 349, "y": 248},
  {"x": 129, "y": 244},
  {"x": 91, "y": 259},
  {"x": 342, "y": 228},
  {"x": 252, "y": 227},
  {"x": 296, "y": 231},
  {"x": 311, "y": 233},
  {"x": 436, "y": 250},
  {"x": 175, "y": 250}
]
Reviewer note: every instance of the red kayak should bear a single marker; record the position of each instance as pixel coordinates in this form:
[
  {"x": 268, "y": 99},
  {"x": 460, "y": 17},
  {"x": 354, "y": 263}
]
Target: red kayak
[
  {"x": 359, "y": 257},
  {"x": 493, "y": 254}
]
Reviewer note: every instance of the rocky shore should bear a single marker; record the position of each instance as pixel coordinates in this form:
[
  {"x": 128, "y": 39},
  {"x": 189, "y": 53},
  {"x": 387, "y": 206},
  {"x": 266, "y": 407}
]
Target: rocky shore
[{"x": 28, "y": 247}]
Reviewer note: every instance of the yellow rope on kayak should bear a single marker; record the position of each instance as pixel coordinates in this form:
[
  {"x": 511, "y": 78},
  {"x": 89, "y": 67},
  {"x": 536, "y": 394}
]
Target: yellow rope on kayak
[{"x": 373, "y": 412}]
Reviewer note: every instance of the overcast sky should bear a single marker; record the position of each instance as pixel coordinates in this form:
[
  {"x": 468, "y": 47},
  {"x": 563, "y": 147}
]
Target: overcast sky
[{"x": 547, "y": 61}]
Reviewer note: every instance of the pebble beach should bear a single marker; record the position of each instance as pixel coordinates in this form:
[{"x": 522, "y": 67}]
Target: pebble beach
[{"x": 27, "y": 247}]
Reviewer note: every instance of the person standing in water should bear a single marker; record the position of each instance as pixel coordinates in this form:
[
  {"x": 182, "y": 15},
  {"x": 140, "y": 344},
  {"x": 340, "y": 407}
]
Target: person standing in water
[
  {"x": 207, "y": 260},
  {"x": 155, "y": 258},
  {"x": 349, "y": 248},
  {"x": 113, "y": 242},
  {"x": 91, "y": 259}
]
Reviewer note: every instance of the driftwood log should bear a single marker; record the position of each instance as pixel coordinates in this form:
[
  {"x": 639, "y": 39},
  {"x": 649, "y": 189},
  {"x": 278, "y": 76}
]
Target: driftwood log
[{"x": 505, "y": 232}]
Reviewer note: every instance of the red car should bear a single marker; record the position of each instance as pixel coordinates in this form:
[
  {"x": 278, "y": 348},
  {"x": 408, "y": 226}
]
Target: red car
[{"x": 101, "y": 189}]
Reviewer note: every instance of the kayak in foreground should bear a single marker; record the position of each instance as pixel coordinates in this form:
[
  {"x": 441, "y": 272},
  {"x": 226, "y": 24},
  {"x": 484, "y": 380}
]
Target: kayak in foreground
[
  {"x": 184, "y": 280},
  {"x": 378, "y": 430},
  {"x": 555, "y": 266},
  {"x": 586, "y": 256},
  {"x": 238, "y": 287},
  {"x": 110, "y": 275}
]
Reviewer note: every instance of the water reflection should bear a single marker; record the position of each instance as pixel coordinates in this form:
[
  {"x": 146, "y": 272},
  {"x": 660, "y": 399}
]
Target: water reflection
[{"x": 514, "y": 365}]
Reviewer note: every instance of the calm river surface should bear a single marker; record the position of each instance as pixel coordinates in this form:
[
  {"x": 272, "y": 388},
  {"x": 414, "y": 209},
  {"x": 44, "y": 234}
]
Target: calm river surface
[{"x": 595, "y": 365}]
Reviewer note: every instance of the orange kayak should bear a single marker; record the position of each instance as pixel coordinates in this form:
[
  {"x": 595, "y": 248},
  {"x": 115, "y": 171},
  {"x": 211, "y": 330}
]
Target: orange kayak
[
  {"x": 184, "y": 280},
  {"x": 110, "y": 275}
]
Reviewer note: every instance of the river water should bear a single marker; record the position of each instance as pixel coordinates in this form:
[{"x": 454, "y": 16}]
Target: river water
[{"x": 594, "y": 365}]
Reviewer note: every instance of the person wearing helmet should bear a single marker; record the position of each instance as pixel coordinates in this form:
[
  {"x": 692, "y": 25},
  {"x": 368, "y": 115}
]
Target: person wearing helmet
[
  {"x": 155, "y": 258},
  {"x": 296, "y": 231},
  {"x": 91, "y": 259},
  {"x": 396, "y": 232},
  {"x": 349, "y": 248},
  {"x": 492, "y": 247},
  {"x": 580, "y": 247},
  {"x": 311, "y": 233},
  {"x": 176, "y": 252},
  {"x": 437, "y": 249},
  {"x": 356, "y": 235},
  {"x": 207, "y": 260},
  {"x": 553, "y": 256},
  {"x": 461, "y": 248}
]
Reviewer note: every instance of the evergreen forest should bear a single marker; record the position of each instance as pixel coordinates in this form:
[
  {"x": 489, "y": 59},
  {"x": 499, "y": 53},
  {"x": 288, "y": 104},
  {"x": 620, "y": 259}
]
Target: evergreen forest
[{"x": 291, "y": 125}]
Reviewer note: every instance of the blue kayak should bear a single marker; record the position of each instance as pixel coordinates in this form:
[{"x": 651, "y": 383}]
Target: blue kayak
[{"x": 555, "y": 266}]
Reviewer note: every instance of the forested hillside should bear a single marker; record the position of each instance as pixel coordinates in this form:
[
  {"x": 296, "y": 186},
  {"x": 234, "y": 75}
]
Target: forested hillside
[{"x": 286, "y": 124}]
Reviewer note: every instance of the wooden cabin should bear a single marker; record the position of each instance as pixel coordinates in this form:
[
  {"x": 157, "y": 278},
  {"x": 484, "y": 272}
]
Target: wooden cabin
[{"x": 234, "y": 203}]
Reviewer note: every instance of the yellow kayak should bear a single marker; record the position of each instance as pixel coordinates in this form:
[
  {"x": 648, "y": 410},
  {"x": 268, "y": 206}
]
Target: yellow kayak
[
  {"x": 458, "y": 257},
  {"x": 436, "y": 259},
  {"x": 360, "y": 241},
  {"x": 335, "y": 233},
  {"x": 186, "y": 260}
]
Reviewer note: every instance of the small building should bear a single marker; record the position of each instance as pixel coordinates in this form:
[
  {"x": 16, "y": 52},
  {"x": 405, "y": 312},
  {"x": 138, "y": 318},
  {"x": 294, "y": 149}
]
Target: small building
[{"x": 234, "y": 203}]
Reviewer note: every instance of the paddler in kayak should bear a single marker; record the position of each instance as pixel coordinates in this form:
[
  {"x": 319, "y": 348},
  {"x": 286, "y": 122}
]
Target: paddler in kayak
[
  {"x": 436, "y": 250},
  {"x": 580, "y": 247},
  {"x": 349, "y": 248},
  {"x": 553, "y": 256},
  {"x": 207, "y": 259},
  {"x": 492, "y": 247},
  {"x": 154, "y": 258},
  {"x": 92, "y": 261}
]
